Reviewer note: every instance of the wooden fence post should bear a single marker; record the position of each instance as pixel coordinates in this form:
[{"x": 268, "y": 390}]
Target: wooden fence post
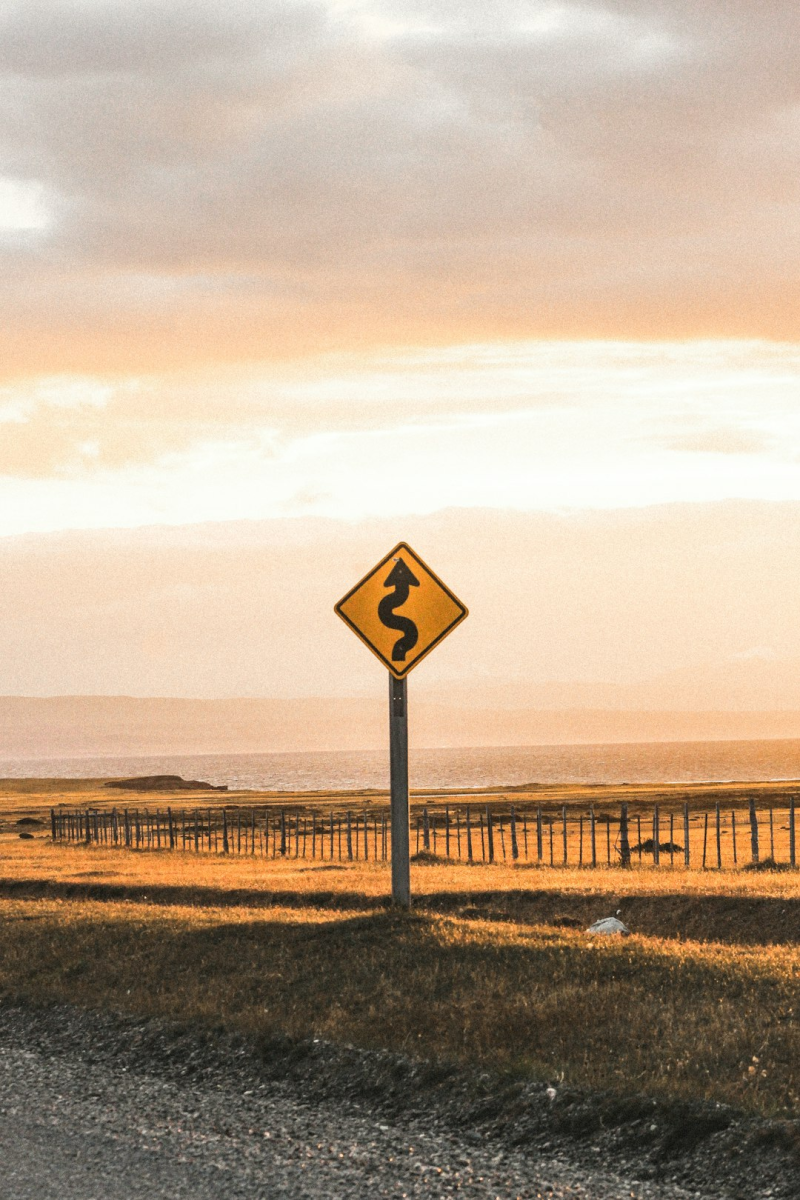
[
  {"x": 593, "y": 832},
  {"x": 733, "y": 835},
  {"x": 624, "y": 842},
  {"x": 705, "y": 839},
  {"x": 656, "y": 836},
  {"x": 719, "y": 836},
  {"x": 564, "y": 831},
  {"x": 771, "y": 835},
  {"x": 489, "y": 834},
  {"x": 514, "y": 846},
  {"x": 469, "y": 836},
  {"x": 224, "y": 832},
  {"x": 792, "y": 854},
  {"x": 686, "y": 850},
  {"x": 539, "y": 849},
  {"x": 753, "y": 832},
  {"x": 426, "y": 829}
]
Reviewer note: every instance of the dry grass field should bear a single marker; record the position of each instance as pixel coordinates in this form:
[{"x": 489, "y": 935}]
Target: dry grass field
[{"x": 492, "y": 968}]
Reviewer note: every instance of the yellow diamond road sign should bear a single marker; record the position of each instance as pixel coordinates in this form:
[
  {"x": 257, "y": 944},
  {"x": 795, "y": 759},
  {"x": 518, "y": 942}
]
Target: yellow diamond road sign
[{"x": 401, "y": 610}]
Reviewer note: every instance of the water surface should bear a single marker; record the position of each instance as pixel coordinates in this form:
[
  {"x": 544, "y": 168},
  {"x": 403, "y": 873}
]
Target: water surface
[{"x": 646, "y": 762}]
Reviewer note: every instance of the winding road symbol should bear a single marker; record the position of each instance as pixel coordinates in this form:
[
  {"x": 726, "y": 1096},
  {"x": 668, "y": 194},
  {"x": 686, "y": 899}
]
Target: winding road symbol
[
  {"x": 382, "y": 606},
  {"x": 402, "y": 579}
]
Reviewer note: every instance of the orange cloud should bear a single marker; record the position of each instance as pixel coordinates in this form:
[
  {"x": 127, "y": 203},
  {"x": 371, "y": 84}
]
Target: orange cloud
[{"x": 258, "y": 181}]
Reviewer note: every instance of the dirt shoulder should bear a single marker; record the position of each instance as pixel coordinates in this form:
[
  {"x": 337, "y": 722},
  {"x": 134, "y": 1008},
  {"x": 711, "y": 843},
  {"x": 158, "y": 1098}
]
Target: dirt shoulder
[{"x": 586, "y": 1143}]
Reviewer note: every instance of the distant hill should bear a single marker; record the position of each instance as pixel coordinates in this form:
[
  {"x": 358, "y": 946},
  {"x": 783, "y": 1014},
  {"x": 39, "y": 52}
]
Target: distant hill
[
  {"x": 742, "y": 684},
  {"x": 88, "y": 726}
]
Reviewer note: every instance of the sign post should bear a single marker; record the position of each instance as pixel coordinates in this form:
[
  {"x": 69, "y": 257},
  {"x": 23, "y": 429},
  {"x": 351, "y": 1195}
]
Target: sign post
[
  {"x": 398, "y": 760},
  {"x": 429, "y": 611}
]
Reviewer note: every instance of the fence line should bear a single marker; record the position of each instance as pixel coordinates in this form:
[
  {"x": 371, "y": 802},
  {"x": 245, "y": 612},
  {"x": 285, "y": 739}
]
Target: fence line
[{"x": 464, "y": 833}]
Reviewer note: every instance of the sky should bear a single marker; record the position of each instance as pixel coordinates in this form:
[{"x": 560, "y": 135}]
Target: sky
[
  {"x": 684, "y": 606},
  {"x": 363, "y": 261}
]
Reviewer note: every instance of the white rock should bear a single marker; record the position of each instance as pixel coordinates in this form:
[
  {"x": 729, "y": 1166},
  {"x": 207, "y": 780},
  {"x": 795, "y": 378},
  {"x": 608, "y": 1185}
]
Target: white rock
[{"x": 608, "y": 925}]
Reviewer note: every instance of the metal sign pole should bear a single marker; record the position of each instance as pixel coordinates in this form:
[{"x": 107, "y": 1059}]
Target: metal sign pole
[
  {"x": 429, "y": 614},
  {"x": 398, "y": 758}
]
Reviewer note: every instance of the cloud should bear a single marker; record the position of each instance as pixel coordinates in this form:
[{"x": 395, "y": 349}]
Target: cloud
[
  {"x": 21, "y": 207},
  {"x": 242, "y": 180},
  {"x": 528, "y": 426},
  {"x": 722, "y": 441}
]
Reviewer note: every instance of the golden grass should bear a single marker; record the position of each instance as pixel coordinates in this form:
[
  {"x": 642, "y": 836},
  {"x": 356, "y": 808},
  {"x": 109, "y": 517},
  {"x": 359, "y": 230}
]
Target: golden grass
[
  {"x": 643, "y": 1014},
  {"x": 43, "y": 860},
  {"x": 478, "y": 974}
]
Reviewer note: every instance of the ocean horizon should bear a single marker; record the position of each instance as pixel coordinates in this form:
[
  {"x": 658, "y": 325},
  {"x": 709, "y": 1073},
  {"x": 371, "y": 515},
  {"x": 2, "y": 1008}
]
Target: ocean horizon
[{"x": 474, "y": 767}]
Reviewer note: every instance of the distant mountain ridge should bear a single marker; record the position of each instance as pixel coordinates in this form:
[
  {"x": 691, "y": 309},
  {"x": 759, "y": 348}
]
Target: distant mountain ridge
[
  {"x": 742, "y": 684},
  {"x": 97, "y": 726}
]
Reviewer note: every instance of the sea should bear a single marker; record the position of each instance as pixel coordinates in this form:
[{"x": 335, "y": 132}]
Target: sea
[{"x": 474, "y": 767}]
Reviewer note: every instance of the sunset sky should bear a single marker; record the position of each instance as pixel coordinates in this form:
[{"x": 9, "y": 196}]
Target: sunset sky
[{"x": 367, "y": 260}]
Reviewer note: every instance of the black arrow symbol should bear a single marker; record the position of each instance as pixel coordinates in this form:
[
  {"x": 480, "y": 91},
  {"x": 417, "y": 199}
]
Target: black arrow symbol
[{"x": 401, "y": 579}]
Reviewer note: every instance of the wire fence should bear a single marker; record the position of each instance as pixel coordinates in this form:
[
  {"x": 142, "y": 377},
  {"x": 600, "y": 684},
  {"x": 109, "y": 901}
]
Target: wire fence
[{"x": 719, "y": 838}]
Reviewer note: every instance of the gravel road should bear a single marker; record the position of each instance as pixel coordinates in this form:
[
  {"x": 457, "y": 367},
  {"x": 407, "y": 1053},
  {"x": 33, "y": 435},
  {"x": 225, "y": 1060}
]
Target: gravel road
[{"x": 81, "y": 1124}]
